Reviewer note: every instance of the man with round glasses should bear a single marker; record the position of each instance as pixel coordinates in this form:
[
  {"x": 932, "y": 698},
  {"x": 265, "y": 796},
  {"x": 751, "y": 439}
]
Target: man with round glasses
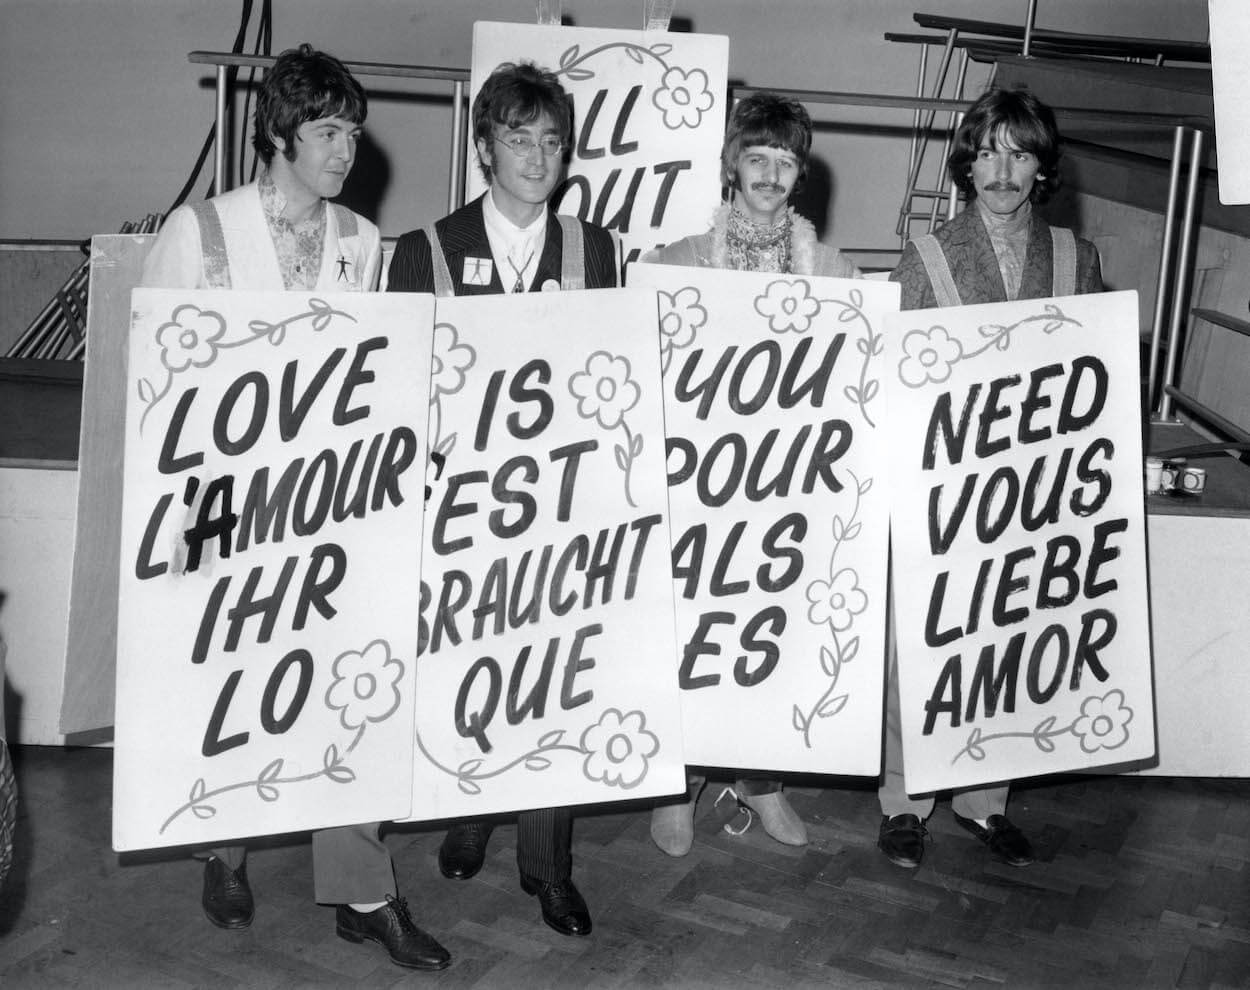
[{"x": 508, "y": 240}]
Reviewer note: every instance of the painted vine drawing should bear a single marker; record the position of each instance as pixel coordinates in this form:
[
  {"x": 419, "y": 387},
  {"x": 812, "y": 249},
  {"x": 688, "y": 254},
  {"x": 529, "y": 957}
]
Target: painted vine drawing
[
  {"x": 682, "y": 96},
  {"x": 605, "y": 391},
  {"x": 788, "y": 306},
  {"x": 193, "y": 337},
  {"x": 1103, "y": 724},
  {"x": 929, "y": 356},
  {"x": 615, "y": 750},
  {"x": 834, "y": 604},
  {"x": 364, "y": 691}
]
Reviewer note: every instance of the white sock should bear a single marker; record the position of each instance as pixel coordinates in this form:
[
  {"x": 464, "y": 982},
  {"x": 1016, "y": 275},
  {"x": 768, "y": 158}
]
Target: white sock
[
  {"x": 366, "y": 908},
  {"x": 983, "y": 822}
]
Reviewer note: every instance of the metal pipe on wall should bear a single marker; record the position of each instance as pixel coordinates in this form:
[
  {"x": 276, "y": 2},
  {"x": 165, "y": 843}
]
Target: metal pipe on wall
[
  {"x": 1165, "y": 267},
  {"x": 1180, "y": 289}
]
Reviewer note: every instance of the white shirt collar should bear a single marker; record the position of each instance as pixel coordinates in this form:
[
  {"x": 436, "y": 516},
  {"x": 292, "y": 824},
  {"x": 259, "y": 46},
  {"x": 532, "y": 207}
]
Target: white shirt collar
[{"x": 514, "y": 248}]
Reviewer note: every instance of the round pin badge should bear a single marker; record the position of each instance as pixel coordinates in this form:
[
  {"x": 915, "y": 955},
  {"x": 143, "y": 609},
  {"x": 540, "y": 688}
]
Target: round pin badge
[{"x": 551, "y": 285}]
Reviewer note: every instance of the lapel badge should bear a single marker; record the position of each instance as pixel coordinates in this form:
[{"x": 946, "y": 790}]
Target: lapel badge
[
  {"x": 551, "y": 285},
  {"x": 477, "y": 271}
]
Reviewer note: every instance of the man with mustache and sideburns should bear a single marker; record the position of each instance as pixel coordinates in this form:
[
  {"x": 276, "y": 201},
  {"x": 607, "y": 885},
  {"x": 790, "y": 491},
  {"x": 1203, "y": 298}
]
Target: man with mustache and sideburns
[
  {"x": 1005, "y": 159},
  {"x": 763, "y": 163}
]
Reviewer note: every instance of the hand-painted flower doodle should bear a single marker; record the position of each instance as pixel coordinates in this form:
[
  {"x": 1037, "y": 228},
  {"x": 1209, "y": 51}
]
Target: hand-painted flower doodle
[
  {"x": 193, "y": 337},
  {"x": 929, "y": 356},
  {"x": 683, "y": 97},
  {"x": 1103, "y": 722},
  {"x": 365, "y": 686},
  {"x": 836, "y": 602},
  {"x": 365, "y": 689},
  {"x": 451, "y": 359},
  {"x": 788, "y": 306},
  {"x": 681, "y": 314},
  {"x": 190, "y": 337},
  {"x": 617, "y": 749},
  {"x": 605, "y": 392}
]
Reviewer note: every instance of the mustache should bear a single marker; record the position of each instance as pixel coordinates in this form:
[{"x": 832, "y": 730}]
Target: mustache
[
  {"x": 1003, "y": 186},
  {"x": 767, "y": 187}
]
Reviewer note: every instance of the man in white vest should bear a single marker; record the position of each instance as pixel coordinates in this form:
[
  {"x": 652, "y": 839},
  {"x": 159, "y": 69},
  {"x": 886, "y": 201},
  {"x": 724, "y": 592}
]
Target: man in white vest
[
  {"x": 1005, "y": 160},
  {"x": 281, "y": 233}
]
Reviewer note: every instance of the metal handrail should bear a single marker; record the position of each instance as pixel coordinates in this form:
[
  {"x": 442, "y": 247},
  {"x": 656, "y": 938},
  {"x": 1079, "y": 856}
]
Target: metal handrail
[
  {"x": 1196, "y": 127},
  {"x": 1205, "y": 412},
  {"x": 457, "y": 77}
]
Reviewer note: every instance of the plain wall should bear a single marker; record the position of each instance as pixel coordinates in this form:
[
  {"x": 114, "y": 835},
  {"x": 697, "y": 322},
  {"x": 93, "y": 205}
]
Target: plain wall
[{"x": 104, "y": 116}]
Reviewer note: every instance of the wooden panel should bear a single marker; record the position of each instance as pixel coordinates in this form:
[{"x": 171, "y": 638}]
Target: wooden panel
[
  {"x": 1199, "y": 566},
  {"x": 91, "y": 653},
  {"x": 36, "y": 547}
]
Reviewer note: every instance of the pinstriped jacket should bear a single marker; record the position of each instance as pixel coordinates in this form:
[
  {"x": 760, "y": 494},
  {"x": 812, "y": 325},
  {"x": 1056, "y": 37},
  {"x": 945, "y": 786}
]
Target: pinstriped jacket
[{"x": 463, "y": 236}]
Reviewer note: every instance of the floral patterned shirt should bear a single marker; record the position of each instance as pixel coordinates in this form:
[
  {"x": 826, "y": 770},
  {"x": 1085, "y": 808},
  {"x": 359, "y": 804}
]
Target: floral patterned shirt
[{"x": 298, "y": 245}]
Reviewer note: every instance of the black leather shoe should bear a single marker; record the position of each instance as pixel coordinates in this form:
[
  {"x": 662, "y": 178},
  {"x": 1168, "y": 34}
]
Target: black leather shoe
[
  {"x": 902, "y": 840},
  {"x": 463, "y": 850},
  {"x": 227, "y": 898},
  {"x": 392, "y": 926},
  {"x": 562, "y": 903},
  {"x": 1006, "y": 841}
]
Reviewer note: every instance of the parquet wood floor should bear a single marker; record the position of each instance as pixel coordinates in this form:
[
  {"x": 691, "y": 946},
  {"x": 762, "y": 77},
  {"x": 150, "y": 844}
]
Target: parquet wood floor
[{"x": 1141, "y": 882}]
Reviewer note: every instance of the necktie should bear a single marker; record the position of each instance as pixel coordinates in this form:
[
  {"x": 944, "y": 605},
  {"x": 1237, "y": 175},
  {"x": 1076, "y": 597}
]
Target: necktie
[{"x": 519, "y": 285}]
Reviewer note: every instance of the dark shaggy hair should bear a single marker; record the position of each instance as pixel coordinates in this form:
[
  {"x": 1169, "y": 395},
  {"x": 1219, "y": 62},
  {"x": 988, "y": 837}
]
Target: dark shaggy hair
[
  {"x": 303, "y": 85},
  {"x": 516, "y": 94},
  {"x": 1029, "y": 123},
  {"x": 771, "y": 120}
]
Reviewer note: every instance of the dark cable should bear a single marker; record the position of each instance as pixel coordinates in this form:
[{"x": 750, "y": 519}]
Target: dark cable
[{"x": 236, "y": 49}]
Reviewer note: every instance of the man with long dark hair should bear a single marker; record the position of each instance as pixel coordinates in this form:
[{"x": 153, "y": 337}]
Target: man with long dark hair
[{"x": 1005, "y": 160}]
